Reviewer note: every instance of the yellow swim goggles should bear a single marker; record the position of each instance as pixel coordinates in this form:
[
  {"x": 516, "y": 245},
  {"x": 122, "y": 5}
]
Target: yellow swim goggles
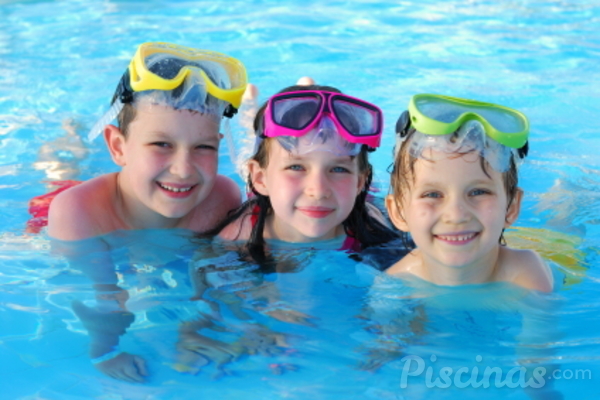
[
  {"x": 164, "y": 66},
  {"x": 441, "y": 115},
  {"x": 181, "y": 77}
]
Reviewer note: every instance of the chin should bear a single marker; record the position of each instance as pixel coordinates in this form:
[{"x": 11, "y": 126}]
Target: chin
[
  {"x": 458, "y": 264},
  {"x": 173, "y": 214},
  {"x": 320, "y": 235}
]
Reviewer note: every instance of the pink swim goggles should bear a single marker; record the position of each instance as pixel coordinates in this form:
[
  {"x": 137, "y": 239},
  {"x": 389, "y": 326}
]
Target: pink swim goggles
[{"x": 296, "y": 114}]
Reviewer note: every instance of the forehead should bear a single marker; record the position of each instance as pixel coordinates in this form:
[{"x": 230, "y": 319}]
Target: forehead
[
  {"x": 161, "y": 118},
  {"x": 277, "y": 152},
  {"x": 436, "y": 166}
]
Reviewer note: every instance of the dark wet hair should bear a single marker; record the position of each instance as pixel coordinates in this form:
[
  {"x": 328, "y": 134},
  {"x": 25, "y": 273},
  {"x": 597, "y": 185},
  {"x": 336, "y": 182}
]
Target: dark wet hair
[{"x": 360, "y": 224}]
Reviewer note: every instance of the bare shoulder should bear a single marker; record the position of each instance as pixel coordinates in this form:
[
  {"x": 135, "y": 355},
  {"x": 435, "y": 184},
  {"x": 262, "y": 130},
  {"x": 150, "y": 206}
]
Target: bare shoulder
[
  {"x": 409, "y": 264},
  {"x": 525, "y": 268},
  {"x": 227, "y": 192},
  {"x": 75, "y": 213},
  {"x": 224, "y": 197},
  {"x": 240, "y": 229}
]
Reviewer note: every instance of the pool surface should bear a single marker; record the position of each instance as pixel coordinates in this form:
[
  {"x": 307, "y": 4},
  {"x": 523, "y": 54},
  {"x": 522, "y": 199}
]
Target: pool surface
[{"x": 339, "y": 329}]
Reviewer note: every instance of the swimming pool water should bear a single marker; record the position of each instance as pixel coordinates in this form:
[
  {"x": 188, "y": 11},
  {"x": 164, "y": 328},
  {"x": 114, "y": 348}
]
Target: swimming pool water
[{"x": 60, "y": 61}]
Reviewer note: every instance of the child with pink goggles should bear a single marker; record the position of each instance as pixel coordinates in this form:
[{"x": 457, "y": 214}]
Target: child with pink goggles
[{"x": 319, "y": 116}]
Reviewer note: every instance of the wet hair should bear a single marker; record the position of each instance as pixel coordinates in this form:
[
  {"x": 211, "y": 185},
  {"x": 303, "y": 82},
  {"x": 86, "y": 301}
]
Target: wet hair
[
  {"x": 126, "y": 117},
  {"x": 360, "y": 224},
  {"x": 403, "y": 175}
]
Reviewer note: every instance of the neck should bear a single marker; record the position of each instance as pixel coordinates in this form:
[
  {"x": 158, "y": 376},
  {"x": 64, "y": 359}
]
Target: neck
[
  {"x": 480, "y": 271},
  {"x": 274, "y": 230}
]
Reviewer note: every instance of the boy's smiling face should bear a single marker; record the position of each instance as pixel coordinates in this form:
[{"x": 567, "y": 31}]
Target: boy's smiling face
[
  {"x": 169, "y": 162},
  {"x": 454, "y": 211}
]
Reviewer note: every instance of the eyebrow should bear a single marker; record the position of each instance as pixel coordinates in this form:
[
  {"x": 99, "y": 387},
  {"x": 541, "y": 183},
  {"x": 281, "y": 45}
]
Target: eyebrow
[
  {"x": 334, "y": 160},
  {"x": 162, "y": 134},
  {"x": 485, "y": 181}
]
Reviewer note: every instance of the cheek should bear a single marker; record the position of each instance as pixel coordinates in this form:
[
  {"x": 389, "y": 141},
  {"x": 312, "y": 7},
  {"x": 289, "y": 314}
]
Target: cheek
[
  {"x": 280, "y": 179},
  {"x": 422, "y": 210},
  {"x": 151, "y": 162},
  {"x": 346, "y": 186},
  {"x": 493, "y": 210},
  {"x": 208, "y": 164}
]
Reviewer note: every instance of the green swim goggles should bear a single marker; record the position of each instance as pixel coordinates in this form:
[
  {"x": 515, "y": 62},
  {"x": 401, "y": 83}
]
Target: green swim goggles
[{"x": 442, "y": 115}]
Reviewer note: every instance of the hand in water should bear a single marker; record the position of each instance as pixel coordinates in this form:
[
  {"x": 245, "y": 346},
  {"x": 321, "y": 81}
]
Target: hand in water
[
  {"x": 284, "y": 313},
  {"x": 195, "y": 351},
  {"x": 125, "y": 367},
  {"x": 259, "y": 339},
  {"x": 377, "y": 358}
]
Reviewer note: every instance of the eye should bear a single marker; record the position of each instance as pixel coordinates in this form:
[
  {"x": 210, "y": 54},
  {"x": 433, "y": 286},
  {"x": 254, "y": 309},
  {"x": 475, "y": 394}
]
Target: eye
[
  {"x": 163, "y": 145},
  {"x": 295, "y": 167},
  {"x": 478, "y": 192},
  {"x": 342, "y": 170},
  {"x": 431, "y": 195},
  {"x": 206, "y": 147}
]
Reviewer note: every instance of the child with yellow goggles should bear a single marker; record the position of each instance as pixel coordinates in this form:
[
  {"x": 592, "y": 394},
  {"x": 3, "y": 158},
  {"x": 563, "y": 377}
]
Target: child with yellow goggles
[{"x": 169, "y": 105}]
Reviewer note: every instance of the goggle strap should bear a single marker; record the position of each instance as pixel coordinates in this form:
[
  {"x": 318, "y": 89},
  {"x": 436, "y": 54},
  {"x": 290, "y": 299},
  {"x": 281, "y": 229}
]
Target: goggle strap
[
  {"x": 257, "y": 141},
  {"x": 523, "y": 151},
  {"x": 403, "y": 124},
  {"x": 110, "y": 115},
  {"x": 124, "y": 92},
  {"x": 230, "y": 111}
]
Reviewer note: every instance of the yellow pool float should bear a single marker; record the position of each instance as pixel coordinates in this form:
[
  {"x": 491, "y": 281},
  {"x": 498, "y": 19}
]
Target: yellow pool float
[{"x": 560, "y": 248}]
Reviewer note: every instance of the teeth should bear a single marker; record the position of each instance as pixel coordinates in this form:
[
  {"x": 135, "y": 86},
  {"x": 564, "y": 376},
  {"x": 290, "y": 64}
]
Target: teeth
[
  {"x": 176, "y": 190},
  {"x": 458, "y": 238}
]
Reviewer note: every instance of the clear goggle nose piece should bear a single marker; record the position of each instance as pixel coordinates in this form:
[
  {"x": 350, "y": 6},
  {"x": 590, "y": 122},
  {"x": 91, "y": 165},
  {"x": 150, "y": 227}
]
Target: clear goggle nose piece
[
  {"x": 471, "y": 137},
  {"x": 324, "y": 137}
]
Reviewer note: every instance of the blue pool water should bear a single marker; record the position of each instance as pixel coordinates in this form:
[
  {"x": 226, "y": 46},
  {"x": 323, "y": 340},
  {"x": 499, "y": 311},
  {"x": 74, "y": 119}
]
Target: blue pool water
[{"x": 60, "y": 61}]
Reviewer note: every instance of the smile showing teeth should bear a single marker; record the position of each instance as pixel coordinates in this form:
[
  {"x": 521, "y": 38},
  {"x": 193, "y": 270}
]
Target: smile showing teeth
[
  {"x": 174, "y": 189},
  {"x": 458, "y": 238}
]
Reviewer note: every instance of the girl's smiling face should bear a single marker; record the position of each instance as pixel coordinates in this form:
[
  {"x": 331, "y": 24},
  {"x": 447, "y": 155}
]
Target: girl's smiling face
[
  {"x": 311, "y": 194},
  {"x": 454, "y": 210}
]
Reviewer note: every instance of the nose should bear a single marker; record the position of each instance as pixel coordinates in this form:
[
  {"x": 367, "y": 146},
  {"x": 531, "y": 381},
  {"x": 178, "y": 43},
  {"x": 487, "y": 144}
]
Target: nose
[
  {"x": 456, "y": 211},
  {"x": 326, "y": 126},
  {"x": 317, "y": 185},
  {"x": 181, "y": 165}
]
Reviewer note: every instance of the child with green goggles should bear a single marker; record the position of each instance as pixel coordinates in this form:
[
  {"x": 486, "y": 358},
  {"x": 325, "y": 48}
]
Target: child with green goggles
[{"x": 454, "y": 191}]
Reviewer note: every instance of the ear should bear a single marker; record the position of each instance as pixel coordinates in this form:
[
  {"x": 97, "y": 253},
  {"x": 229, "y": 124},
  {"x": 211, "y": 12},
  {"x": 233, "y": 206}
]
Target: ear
[
  {"x": 514, "y": 209},
  {"x": 116, "y": 142},
  {"x": 395, "y": 213},
  {"x": 258, "y": 177}
]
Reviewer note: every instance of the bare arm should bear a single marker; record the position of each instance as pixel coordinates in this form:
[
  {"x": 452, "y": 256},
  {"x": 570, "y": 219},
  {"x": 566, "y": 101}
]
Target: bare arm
[
  {"x": 109, "y": 318},
  {"x": 525, "y": 268}
]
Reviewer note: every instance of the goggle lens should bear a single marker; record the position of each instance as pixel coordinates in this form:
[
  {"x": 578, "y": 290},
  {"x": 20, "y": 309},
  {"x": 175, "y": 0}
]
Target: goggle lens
[
  {"x": 296, "y": 112},
  {"x": 447, "y": 111},
  {"x": 360, "y": 119}
]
